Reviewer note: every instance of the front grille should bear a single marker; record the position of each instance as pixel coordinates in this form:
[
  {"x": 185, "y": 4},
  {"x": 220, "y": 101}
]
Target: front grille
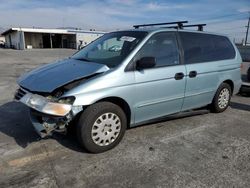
[{"x": 19, "y": 94}]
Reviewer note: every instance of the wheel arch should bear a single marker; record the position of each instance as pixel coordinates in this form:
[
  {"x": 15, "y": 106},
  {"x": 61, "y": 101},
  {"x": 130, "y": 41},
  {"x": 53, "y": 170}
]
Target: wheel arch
[
  {"x": 230, "y": 83},
  {"x": 122, "y": 104}
]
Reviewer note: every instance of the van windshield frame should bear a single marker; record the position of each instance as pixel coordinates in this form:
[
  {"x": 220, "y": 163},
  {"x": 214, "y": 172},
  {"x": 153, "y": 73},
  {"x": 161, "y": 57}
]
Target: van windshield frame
[{"x": 111, "y": 48}]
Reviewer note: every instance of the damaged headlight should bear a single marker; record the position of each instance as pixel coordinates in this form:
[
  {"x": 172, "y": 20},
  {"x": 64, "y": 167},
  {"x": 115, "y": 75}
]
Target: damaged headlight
[
  {"x": 56, "y": 109},
  {"x": 43, "y": 105}
]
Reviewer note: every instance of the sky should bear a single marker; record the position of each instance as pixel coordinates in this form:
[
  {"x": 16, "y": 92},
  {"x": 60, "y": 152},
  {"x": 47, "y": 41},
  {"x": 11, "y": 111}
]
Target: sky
[{"x": 224, "y": 16}]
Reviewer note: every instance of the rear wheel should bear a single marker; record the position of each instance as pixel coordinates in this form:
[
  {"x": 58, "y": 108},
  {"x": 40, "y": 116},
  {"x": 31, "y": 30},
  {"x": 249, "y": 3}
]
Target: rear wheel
[
  {"x": 101, "y": 127},
  {"x": 222, "y": 98}
]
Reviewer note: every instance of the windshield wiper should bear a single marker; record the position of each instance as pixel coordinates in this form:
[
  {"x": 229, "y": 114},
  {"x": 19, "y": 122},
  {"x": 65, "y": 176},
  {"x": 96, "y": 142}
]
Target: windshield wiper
[{"x": 83, "y": 59}]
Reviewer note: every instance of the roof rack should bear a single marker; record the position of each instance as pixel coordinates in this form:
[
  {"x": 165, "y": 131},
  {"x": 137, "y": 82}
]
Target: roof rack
[
  {"x": 179, "y": 24},
  {"x": 200, "y": 26}
]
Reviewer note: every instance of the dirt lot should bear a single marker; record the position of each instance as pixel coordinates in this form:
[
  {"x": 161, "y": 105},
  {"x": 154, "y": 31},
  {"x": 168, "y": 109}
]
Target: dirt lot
[{"x": 207, "y": 150}]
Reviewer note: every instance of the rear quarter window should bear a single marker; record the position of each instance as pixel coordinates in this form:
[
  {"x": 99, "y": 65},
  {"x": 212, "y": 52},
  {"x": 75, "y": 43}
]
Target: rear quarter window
[{"x": 200, "y": 48}]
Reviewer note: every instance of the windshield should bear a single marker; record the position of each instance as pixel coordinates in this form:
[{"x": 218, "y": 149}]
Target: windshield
[{"x": 111, "y": 49}]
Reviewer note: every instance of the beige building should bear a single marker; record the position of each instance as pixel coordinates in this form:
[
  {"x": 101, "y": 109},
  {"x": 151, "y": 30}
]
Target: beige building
[
  {"x": 2, "y": 38},
  {"x": 28, "y": 38}
]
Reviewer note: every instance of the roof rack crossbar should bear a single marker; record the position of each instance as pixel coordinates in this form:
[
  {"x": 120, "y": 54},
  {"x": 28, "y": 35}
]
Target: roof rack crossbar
[
  {"x": 200, "y": 26},
  {"x": 179, "y": 24},
  {"x": 174, "y": 27}
]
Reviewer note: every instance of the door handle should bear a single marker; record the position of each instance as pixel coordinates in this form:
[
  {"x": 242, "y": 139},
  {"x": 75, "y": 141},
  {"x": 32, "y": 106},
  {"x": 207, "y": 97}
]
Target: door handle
[
  {"x": 192, "y": 74},
  {"x": 179, "y": 76}
]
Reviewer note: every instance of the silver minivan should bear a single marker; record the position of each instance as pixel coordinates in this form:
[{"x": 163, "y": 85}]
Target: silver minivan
[{"x": 128, "y": 78}]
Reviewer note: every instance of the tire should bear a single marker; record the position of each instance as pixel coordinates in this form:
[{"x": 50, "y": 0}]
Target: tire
[
  {"x": 101, "y": 121},
  {"x": 222, "y": 98},
  {"x": 248, "y": 75}
]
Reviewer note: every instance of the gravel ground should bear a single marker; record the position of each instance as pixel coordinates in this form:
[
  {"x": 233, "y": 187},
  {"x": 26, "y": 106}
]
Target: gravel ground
[{"x": 206, "y": 150}]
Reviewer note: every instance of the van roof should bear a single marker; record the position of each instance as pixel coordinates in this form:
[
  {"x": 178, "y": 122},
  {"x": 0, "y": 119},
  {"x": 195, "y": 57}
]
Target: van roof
[{"x": 160, "y": 29}]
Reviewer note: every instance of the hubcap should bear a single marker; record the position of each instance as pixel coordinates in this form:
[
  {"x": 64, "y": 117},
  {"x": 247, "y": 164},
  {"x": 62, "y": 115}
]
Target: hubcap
[
  {"x": 223, "y": 98},
  {"x": 106, "y": 129}
]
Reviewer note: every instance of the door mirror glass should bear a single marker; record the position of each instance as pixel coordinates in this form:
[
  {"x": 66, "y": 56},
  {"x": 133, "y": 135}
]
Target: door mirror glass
[{"x": 145, "y": 63}]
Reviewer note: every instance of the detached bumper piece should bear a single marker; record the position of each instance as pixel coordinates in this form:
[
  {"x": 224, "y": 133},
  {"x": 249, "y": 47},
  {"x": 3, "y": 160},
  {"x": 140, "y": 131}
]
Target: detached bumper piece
[{"x": 45, "y": 125}]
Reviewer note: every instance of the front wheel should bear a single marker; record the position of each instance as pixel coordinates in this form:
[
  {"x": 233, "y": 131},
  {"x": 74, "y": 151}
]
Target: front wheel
[
  {"x": 101, "y": 127},
  {"x": 222, "y": 98}
]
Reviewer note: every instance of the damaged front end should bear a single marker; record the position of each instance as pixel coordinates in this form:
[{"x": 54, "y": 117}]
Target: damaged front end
[
  {"x": 48, "y": 112},
  {"x": 43, "y": 88}
]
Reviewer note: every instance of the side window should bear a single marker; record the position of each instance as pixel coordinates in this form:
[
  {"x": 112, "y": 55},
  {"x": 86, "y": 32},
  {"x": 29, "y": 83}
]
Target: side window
[
  {"x": 162, "y": 46},
  {"x": 223, "y": 48},
  {"x": 200, "y": 48}
]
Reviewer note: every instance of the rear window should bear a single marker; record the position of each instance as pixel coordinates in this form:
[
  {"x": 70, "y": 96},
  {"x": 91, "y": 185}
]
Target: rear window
[{"x": 200, "y": 48}]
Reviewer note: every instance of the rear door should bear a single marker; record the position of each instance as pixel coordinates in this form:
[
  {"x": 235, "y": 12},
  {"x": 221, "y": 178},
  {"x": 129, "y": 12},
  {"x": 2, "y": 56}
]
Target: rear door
[
  {"x": 159, "y": 90},
  {"x": 202, "y": 56}
]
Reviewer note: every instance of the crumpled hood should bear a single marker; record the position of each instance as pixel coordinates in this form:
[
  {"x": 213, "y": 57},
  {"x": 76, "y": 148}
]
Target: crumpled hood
[{"x": 52, "y": 76}]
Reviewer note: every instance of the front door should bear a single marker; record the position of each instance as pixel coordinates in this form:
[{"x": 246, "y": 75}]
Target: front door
[{"x": 159, "y": 90}]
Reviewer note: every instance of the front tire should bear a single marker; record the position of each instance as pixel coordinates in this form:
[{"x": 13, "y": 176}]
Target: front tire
[
  {"x": 101, "y": 127},
  {"x": 222, "y": 98}
]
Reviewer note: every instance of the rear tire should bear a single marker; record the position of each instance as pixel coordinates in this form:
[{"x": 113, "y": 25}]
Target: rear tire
[
  {"x": 222, "y": 98},
  {"x": 248, "y": 75},
  {"x": 101, "y": 127}
]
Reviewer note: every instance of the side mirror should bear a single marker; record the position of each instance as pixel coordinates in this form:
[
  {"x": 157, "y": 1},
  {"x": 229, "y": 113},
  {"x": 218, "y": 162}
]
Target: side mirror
[{"x": 145, "y": 63}]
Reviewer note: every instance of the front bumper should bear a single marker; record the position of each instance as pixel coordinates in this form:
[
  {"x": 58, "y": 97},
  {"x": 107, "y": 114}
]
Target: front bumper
[
  {"x": 45, "y": 124},
  {"x": 40, "y": 128}
]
